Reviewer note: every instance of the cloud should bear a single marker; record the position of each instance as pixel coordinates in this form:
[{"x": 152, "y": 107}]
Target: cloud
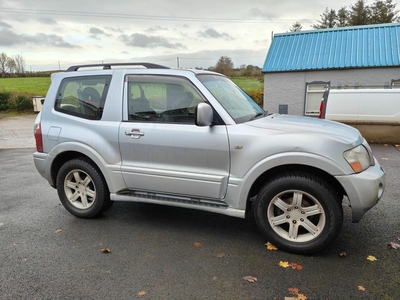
[
  {"x": 5, "y": 25},
  {"x": 212, "y": 33},
  {"x": 255, "y": 12},
  {"x": 10, "y": 38},
  {"x": 114, "y": 29},
  {"x": 48, "y": 40},
  {"x": 95, "y": 32},
  {"x": 47, "y": 21},
  {"x": 156, "y": 28},
  {"x": 148, "y": 41}
]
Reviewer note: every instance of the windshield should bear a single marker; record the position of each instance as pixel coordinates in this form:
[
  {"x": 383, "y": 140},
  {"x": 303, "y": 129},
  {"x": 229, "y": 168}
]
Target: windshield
[{"x": 235, "y": 101}]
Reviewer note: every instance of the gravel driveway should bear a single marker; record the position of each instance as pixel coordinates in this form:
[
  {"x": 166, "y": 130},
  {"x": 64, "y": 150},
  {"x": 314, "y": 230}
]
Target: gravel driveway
[{"x": 16, "y": 131}]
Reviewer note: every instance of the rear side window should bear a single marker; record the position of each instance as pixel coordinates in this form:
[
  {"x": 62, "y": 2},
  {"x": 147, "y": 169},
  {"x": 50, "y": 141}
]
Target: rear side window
[{"x": 83, "y": 96}]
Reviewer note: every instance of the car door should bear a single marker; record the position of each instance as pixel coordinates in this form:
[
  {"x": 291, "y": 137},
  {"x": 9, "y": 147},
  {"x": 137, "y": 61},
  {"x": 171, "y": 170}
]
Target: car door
[{"x": 162, "y": 150}]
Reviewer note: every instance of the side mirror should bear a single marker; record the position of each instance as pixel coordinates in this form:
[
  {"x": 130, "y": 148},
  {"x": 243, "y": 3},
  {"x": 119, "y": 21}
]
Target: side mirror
[{"x": 204, "y": 115}]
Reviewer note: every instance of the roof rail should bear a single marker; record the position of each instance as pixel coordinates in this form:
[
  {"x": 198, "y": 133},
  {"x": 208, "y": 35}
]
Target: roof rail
[{"x": 108, "y": 66}]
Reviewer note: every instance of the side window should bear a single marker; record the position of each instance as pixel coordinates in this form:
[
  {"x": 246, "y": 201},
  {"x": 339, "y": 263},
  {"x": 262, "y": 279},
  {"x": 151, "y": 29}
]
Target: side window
[
  {"x": 162, "y": 99},
  {"x": 83, "y": 96}
]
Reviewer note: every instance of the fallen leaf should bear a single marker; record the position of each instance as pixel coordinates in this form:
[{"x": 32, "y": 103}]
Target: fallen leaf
[
  {"x": 214, "y": 278},
  {"x": 105, "y": 250},
  {"x": 301, "y": 297},
  {"x": 394, "y": 245},
  {"x": 296, "y": 266},
  {"x": 1, "y": 223},
  {"x": 58, "y": 231},
  {"x": 371, "y": 258},
  {"x": 197, "y": 245},
  {"x": 270, "y": 246},
  {"x": 291, "y": 298},
  {"x": 284, "y": 264},
  {"x": 361, "y": 288},
  {"x": 141, "y": 293},
  {"x": 219, "y": 255},
  {"x": 294, "y": 291},
  {"x": 343, "y": 254},
  {"x": 250, "y": 279}
]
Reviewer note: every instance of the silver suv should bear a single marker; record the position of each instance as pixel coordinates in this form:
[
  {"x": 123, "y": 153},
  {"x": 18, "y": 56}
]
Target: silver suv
[{"x": 193, "y": 139}]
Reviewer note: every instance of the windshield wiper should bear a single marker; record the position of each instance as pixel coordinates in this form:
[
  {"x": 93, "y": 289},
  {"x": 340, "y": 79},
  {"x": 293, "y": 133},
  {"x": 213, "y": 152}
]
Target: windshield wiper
[{"x": 257, "y": 116}]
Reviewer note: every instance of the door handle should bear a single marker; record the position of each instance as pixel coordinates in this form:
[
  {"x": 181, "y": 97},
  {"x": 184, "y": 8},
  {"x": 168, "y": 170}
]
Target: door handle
[{"x": 134, "y": 133}]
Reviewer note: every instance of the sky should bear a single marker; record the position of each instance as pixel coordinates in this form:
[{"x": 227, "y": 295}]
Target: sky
[{"x": 54, "y": 34}]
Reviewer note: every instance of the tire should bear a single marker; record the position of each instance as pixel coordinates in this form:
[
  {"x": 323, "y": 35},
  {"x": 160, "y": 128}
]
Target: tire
[
  {"x": 82, "y": 188},
  {"x": 298, "y": 213}
]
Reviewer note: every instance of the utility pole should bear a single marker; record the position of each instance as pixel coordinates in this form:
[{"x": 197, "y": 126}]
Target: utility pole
[
  {"x": 59, "y": 68},
  {"x": 177, "y": 61}
]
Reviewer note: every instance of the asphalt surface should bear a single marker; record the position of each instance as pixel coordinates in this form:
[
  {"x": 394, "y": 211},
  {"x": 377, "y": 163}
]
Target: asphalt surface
[{"x": 162, "y": 252}]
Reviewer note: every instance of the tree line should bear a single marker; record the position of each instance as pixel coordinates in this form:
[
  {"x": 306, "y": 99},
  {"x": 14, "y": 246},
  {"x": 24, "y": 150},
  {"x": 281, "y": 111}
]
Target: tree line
[
  {"x": 11, "y": 65},
  {"x": 359, "y": 13},
  {"x": 225, "y": 66}
]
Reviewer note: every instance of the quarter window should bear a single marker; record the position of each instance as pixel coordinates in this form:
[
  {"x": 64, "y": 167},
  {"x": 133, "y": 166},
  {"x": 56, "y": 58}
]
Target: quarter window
[{"x": 83, "y": 96}]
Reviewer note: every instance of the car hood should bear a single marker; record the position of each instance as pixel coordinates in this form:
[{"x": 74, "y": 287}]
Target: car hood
[{"x": 304, "y": 125}]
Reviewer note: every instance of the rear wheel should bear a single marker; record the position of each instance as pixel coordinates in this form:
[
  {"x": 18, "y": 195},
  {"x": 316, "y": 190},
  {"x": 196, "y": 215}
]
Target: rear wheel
[
  {"x": 82, "y": 189},
  {"x": 298, "y": 213}
]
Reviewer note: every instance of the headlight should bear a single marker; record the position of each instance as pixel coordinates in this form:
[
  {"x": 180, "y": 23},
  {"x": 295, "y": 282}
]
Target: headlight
[{"x": 358, "y": 158}]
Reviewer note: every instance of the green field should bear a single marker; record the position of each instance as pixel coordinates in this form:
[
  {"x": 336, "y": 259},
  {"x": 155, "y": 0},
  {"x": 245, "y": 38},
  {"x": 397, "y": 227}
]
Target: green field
[
  {"x": 248, "y": 84},
  {"x": 40, "y": 85},
  {"x": 30, "y": 85}
]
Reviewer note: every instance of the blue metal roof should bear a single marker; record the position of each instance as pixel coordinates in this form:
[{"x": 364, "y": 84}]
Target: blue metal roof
[{"x": 338, "y": 48}]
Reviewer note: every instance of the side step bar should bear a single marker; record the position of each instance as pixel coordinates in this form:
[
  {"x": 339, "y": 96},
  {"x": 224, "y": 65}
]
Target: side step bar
[{"x": 179, "y": 201}]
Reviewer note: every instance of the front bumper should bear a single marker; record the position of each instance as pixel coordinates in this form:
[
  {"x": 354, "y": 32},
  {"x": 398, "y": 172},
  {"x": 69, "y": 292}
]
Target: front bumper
[{"x": 364, "y": 189}]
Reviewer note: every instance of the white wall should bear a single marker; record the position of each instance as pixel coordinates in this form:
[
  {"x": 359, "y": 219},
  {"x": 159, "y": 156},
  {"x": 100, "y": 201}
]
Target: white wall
[{"x": 289, "y": 87}]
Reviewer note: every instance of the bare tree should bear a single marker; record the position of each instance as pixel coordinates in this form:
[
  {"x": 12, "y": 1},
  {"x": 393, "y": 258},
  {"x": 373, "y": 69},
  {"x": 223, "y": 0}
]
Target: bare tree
[
  {"x": 3, "y": 63},
  {"x": 10, "y": 64},
  {"x": 19, "y": 64}
]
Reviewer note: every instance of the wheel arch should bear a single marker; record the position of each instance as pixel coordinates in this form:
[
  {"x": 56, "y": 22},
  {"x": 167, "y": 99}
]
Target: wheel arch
[
  {"x": 264, "y": 177},
  {"x": 110, "y": 172},
  {"x": 62, "y": 158}
]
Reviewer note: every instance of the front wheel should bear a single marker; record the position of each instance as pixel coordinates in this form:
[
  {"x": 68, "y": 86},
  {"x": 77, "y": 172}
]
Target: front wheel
[
  {"x": 298, "y": 213},
  {"x": 82, "y": 189}
]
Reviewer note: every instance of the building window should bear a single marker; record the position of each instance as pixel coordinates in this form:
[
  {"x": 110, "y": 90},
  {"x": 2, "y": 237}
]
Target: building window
[
  {"x": 395, "y": 84},
  {"x": 314, "y": 92}
]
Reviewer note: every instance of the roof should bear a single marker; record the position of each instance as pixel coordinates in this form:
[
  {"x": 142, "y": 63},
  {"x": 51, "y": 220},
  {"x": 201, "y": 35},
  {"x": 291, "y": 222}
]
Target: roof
[{"x": 338, "y": 48}]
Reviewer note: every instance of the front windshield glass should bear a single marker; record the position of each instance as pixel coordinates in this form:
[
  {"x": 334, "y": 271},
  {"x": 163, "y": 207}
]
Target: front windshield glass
[{"x": 235, "y": 101}]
